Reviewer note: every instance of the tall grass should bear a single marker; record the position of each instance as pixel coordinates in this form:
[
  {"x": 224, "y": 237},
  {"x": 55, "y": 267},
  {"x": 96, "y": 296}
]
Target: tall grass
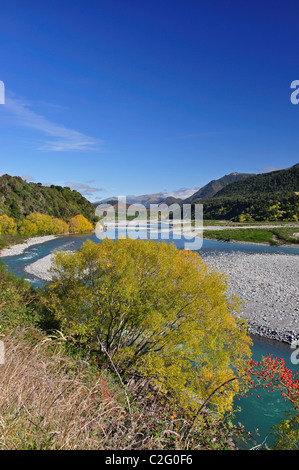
[
  {"x": 49, "y": 401},
  {"x": 272, "y": 236}
]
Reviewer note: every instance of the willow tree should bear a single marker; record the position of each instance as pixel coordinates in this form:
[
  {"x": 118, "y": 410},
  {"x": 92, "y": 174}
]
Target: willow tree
[
  {"x": 79, "y": 223},
  {"x": 157, "y": 311},
  {"x": 42, "y": 224},
  {"x": 7, "y": 225}
]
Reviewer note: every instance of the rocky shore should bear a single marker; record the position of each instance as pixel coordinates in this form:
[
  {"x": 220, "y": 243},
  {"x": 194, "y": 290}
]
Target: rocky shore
[
  {"x": 41, "y": 268},
  {"x": 21, "y": 247},
  {"x": 268, "y": 285}
]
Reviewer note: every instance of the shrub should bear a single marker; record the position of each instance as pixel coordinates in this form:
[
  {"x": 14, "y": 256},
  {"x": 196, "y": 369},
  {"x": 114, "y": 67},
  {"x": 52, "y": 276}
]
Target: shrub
[{"x": 157, "y": 311}]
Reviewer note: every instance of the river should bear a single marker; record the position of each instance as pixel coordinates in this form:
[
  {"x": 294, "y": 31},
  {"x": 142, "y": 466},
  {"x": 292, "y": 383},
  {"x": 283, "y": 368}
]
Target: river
[{"x": 261, "y": 413}]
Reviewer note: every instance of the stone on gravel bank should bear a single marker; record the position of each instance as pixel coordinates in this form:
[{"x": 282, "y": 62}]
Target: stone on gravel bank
[
  {"x": 21, "y": 247},
  {"x": 268, "y": 284}
]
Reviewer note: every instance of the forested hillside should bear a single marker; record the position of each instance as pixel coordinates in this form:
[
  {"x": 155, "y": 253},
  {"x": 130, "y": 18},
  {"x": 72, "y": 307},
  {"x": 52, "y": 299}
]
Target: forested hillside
[
  {"x": 18, "y": 199},
  {"x": 286, "y": 180},
  {"x": 264, "y": 197},
  {"x": 210, "y": 189}
]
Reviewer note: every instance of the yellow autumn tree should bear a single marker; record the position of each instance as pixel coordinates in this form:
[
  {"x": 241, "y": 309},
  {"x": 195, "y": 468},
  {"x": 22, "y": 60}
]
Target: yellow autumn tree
[
  {"x": 60, "y": 226},
  {"x": 7, "y": 225},
  {"x": 42, "y": 224},
  {"x": 27, "y": 227},
  {"x": 79, "y": 224},
  {"x": 156, "y": 311}
]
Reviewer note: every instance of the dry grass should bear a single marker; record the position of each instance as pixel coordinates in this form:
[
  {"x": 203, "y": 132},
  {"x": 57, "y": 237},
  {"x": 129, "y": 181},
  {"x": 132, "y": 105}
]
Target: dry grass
[
  {"x": 48, "y": 401},
  {"x": 51, "y": 401}
]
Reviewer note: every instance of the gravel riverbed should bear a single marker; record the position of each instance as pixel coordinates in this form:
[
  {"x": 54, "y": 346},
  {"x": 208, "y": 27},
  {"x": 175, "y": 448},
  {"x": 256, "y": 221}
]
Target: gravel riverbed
[
  {"x": 41, "y": 268},
  {"x": 268, "y": 284},
  {"x": 21, "y": 247}
]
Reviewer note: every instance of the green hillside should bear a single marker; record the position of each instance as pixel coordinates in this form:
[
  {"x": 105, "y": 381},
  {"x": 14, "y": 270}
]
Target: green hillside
[
  {"x": 286, "y": 180},
  {"x": 267, "y": 196},
  {"x": 19, "y": 199},
  {"x": 210, "y": 189}
]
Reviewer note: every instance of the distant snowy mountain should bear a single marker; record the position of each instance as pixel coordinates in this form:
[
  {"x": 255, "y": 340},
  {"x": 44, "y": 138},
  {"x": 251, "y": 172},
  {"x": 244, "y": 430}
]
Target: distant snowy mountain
[{"x": 156, "y": 198}]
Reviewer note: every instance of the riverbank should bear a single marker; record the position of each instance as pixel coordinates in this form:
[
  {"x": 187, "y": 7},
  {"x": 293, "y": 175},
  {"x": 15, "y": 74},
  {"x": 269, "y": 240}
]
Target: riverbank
[
  {"x": 241, "y": 242},
  {"x": 267, "y": 283},
  {"x": 41, "y": 268},
  {"x": 275, "y": 236},
  {"x": 19, "y": 248},
  {"x": 266, "y": 234}
]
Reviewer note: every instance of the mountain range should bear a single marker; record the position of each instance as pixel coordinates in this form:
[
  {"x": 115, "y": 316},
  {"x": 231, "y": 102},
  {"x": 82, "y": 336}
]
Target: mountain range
[
  {"x": 241, "y": 196},
  {"x": 155, "y": 198},
  {"x": 183, "y": 195},
  {"x": 214, "y": 186}
]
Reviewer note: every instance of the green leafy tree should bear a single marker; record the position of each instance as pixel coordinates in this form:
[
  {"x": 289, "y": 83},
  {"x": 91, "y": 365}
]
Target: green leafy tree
[
  {"x": 287, "y": 433},
  {"x": 159, "y": 312}
]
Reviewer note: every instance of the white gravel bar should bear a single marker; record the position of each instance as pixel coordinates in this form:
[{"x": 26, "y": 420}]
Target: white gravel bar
[
  {"x": 41, "y": 268},
  {"x": 21, "y": 247},
  {"x": 268, "y": 285}
]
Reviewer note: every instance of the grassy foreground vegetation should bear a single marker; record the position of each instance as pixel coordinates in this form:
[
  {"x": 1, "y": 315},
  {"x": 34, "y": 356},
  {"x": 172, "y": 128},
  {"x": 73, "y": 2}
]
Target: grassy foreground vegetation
[
  {"x": 9, "y": 239},
  {"x": 272, "y": 236},
  {"x": 95, "y": 361}
]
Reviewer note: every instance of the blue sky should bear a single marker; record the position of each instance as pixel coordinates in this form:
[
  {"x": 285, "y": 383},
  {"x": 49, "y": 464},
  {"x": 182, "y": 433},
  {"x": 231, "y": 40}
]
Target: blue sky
[{"x": 117, "y": 97}]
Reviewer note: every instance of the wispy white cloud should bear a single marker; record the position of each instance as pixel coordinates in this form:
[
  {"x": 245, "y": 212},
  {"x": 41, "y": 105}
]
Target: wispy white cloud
[
  {"x": 182, "y": 193},
  {"x": 62, "y": 138},
  {"x": 268, "y": 169},
  {"x": 28, "y": 177},
  {"x": 84, "y": 189}
]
